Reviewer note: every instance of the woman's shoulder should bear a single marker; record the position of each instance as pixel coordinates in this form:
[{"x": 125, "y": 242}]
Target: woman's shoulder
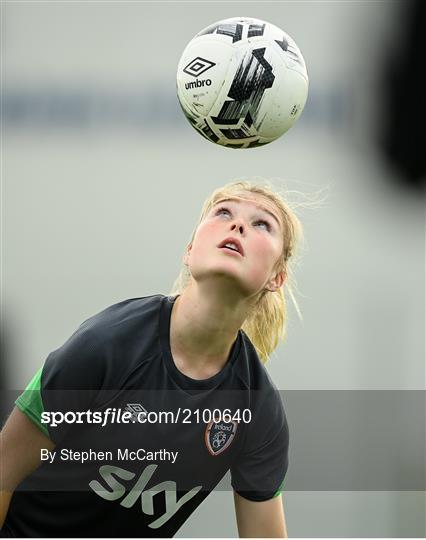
[
  {"x": 103, "y": 339},
  {"x": 123, "y": 316},
  {"x": 266, "y": 402},
  {"x": 253, "y": 371},
  {"x": 120, "y": 323}
]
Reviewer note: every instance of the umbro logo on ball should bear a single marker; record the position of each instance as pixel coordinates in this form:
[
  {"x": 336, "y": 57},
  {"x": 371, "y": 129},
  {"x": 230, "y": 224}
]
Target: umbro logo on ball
[{"x": 198, "y": 66}]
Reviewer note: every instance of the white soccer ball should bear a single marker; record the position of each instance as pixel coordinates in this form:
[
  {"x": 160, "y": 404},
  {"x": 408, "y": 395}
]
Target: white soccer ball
[{"x": 242, "y": 82}]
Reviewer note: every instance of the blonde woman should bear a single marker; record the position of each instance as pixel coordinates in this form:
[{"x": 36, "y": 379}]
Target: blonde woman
[{"x": 197, "y": 353}]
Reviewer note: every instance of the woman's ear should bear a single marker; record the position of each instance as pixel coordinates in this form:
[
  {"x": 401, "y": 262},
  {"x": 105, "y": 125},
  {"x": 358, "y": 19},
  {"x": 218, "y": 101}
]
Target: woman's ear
[
  {"x": 276, "y": 282},
  {"x": 186, "y": 256}
]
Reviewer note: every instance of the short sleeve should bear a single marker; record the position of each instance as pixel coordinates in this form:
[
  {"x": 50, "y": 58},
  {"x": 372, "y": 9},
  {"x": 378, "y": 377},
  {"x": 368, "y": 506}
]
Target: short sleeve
[
  {"x": 68, "y": 381},
  {"x": 259, "y": 472}
]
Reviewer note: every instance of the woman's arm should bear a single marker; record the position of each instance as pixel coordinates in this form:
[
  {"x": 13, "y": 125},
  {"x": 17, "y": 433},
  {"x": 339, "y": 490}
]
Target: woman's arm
[
  {"x": 260, "y": 519},
  {"x": 20, "y": 444}
]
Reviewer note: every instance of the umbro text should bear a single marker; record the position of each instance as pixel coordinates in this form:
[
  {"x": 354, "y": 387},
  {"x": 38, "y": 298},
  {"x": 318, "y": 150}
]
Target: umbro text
[{"x": 198, "y": 83}]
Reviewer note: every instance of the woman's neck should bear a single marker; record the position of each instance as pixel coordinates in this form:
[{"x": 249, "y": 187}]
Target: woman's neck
[{"x": 203, "y": 328}]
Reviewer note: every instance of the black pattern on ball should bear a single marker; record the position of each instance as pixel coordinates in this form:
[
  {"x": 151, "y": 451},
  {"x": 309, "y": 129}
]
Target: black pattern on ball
[{"x": 253, "y": 76}]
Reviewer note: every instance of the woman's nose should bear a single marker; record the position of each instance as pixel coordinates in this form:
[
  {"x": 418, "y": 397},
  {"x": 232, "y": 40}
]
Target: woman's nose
[{"x": 238, "y": 226}]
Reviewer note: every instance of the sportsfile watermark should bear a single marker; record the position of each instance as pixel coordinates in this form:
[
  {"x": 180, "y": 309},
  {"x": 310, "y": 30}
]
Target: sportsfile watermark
[
  {"x": 132, "y": 414},
  {"x": 339, "y": 440}
]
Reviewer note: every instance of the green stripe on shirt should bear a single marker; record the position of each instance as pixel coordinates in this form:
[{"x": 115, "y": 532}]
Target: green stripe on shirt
[
  {"x": 278, "y": 492},
  {"x": 30, "y": 402}
]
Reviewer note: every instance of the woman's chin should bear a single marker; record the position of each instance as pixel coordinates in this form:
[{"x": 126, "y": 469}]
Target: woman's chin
[{"x": 225, "y": 281}]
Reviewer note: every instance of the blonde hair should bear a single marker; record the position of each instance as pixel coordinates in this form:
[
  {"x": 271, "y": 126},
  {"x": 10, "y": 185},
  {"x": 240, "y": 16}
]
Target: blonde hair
[{"x": 266, "y": 323}]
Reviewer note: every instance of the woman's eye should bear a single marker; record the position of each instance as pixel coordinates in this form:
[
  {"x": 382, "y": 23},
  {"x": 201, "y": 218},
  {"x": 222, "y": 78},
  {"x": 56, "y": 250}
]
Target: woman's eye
[
  {"x": 263, "y": 225},
  {"x": 223, "y": 212}
]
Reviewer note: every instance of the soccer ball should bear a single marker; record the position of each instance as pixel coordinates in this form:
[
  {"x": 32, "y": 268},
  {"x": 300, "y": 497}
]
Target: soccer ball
[{"x": 242, "y": 82}]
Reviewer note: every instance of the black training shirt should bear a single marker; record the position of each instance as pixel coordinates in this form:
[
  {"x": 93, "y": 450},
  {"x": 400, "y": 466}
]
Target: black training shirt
[{"x": 140, "y": 478}]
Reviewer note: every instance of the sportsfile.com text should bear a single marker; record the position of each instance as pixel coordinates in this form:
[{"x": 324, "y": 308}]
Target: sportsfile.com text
[{"x": 120, "y": 416}]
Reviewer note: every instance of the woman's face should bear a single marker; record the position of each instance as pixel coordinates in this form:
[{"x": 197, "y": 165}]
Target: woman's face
[{"x": 239, "y": 241}]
